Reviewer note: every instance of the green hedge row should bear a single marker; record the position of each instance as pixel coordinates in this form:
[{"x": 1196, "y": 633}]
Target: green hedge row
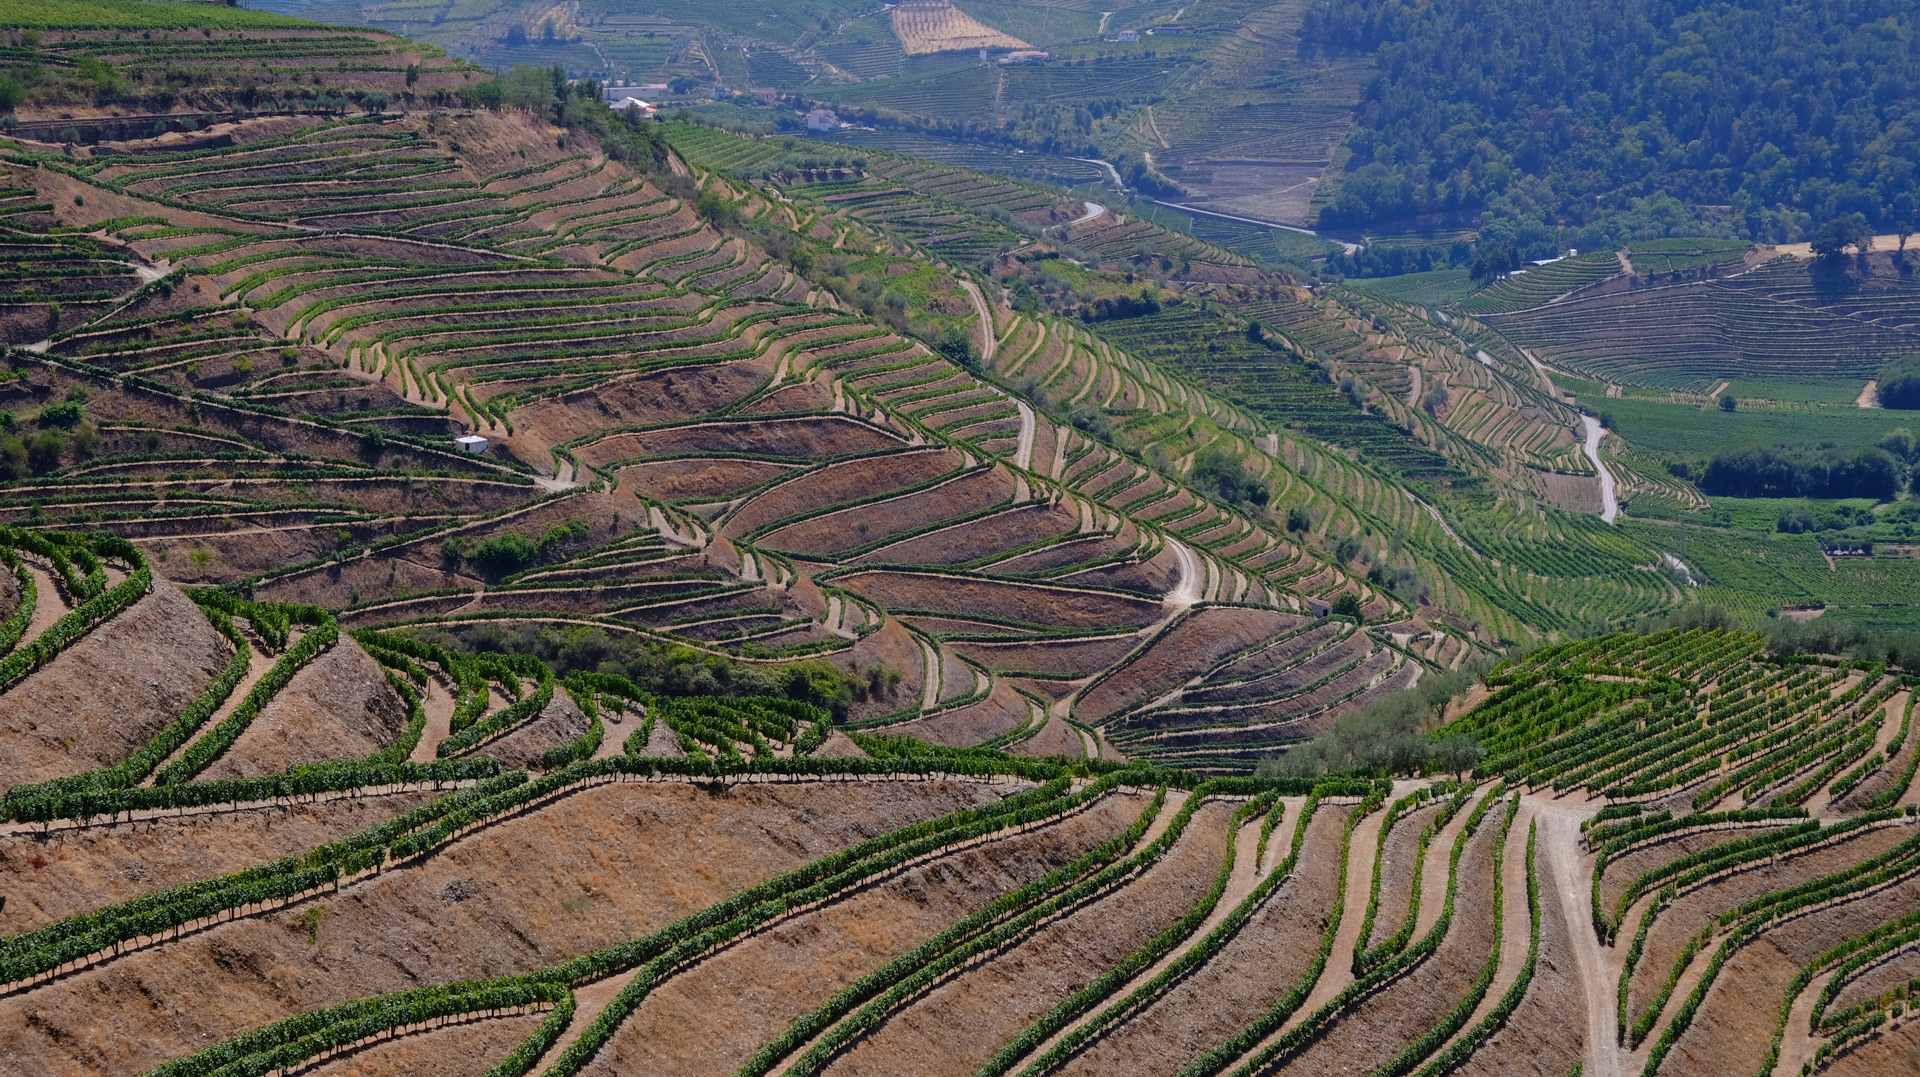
[
  {"x": 869, "y": 987},
  {"x": 1451, "y": 1059},
  {"x": 1104, "y": 985},
  {"x": 1309, "y": 1029},
  {"x": 204, "y": 751},
  {"x": 77, "y": 622},
  {"x": 286, "y": 1044}
]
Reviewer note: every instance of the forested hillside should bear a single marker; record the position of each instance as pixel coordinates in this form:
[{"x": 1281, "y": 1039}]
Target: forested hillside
[{"x": 1766, "y": 118}]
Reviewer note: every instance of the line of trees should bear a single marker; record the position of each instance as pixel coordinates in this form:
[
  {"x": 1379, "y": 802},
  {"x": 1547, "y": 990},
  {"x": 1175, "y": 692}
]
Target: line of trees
[
  {"x": 1792, "y": 113},
  {"x": 1757, "y": 472}
]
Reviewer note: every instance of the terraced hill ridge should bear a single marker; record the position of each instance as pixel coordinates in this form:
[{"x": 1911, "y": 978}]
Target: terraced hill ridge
[
  {"x": 1680, "y": 856},
  {"x": 264, "y": 343}
]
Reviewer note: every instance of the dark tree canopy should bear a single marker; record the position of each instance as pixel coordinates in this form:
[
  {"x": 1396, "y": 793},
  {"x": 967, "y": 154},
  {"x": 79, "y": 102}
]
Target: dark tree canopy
[
  {"x": 1899, "y": 383},
  {"x": 1569, "y": 113},
  {"x": 1780, "y": 473}
]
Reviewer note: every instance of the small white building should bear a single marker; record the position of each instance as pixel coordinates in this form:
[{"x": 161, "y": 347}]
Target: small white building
[
  {"x": 472, "y": 443},
  {"x": 823, "y": 119},
  {"x": 1026, "y": 56},
  {"x": 1127, "y": 36},
  {"x": 626, "y": 103}
]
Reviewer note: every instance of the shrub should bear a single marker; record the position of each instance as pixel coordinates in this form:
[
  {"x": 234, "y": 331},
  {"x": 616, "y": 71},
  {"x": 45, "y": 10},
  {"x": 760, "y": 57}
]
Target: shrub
[
  {"x": 1899, "y": 383},
  {"x": 503, "y": 553}
]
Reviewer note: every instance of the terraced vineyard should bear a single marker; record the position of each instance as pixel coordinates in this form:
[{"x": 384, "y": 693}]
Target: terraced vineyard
[
  {"x": 690, "y": 443},
  {"x": 1786, "y": 318},
  {"x": 497, "y": 591},
  {"x": 1673, "y": 840}
]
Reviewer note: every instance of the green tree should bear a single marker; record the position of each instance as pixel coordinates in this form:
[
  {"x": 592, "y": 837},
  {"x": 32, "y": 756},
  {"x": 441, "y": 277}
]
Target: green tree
[{"x": 956, "y": 344}]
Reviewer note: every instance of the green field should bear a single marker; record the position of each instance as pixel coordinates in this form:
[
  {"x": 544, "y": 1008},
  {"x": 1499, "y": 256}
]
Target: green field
[
  {"x": 1688, "y": 429},
  {"x": 1434, "y": 288},
  {"x": 1750, "y": 573}
]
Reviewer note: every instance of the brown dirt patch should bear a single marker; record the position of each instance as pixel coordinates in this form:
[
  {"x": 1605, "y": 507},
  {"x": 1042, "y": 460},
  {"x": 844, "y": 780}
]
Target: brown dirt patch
[
  {"x": 956, "y": 1026},
  {"x": 1251, "y": 974},
  {"x": 1724, "y": 1037},
  {"x": 800, "y": 439},
  {"x": 1374, "y": 1030},
  {"x": 1891, "y": 972},
  {"x": 561, "y": 721},
  {"x": 81, "y": 869},
  {"x": 839, "y": 483},
  {"x": 979, "y": 538},
  {"x": 468, "y": 1049},
  {"x": 338, "y": 706},
  {"x": 1080, "y": 656},
  {"x": 1544, "y": 1037},
  {"x": 1622, "y": 870},
  {"x": 1018, "y": 601},
  {"x": 1396, "y": 874},
  {"x": 1054, "y": 738},
  {"x": 1187, "y": 649},
  {"x": 111, "y": 692},
  {"x": 1002, "y": 710},
  {"x": 1890, "y": 1052},
  {"x": 766, "y": 981},
  {"x": 1692, "y": 911},
  {"x": 579, "y": 874},
  {"x": 699, "y": 479},
  {"x": 849, "y": 528}
]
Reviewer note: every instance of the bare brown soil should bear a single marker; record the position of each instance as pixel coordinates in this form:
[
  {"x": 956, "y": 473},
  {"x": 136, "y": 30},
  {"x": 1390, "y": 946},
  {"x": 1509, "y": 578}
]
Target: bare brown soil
[
  {"x": 581, "y": 873},
  {"x": 112, "y": 691},
  {"x": 839, "y": 483},
  {"x": 1629, "y": 866},
  {"x": 846, "y": 529},
  {"x": 1091, "y": 548},
  {"x": 1249, "y": 976},
  {"x": 769, "y": 979},
  {"x": 1024, "y": 602},
  {"x": 806, "y": 438},
  {"x": 1875, "y": 786},
  {"x": 1151, "y": 577},
  {"x": 980, "y": 538},
  {"x": 1002, "y": 710},
  {"x": 957, "y": 1025},
  {"x": 1184, "y": 651},
  {"x": 1890, "y": 972},
  {"x": 75, "y": 870},
  {"x": 337, "y": 706},
  {"x": 560, "y": 722},
  {"x": 1544, "y": 1037},
  {"x": 468, "y": 1049},
  {"x": 1375, "y": 1029},
  {"x": 1396, "y": 873},
  {"x": 1054, "y": 737},
  {"x": 1692, "y": 911},
  {"x": 1081, "y": 656},
  {"x": 1724, "y": 1037},
  {"x": 925, "y": 26},
  {"x": 1890, "y": 1052}
]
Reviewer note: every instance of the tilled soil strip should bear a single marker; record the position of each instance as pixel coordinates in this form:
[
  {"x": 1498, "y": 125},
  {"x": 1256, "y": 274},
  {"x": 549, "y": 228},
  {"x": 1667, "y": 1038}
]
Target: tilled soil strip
[
  {"x": 766, "y": 980},
  {"x": 1249, "y": 975},
  {"x": 958, "y": 1024}
]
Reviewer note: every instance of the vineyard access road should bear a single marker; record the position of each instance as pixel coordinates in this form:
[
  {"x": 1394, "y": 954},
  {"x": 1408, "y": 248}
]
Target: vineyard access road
[
  {"x": 989, "y": 345},
  {"x": 1193, "y": 577},
  {"x": 1609, "y": 504},
  {"x": 1560, "y": 819}
]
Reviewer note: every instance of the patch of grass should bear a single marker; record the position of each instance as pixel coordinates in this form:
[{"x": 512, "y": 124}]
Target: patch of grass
[
  {"x": 1693, "y": 429},
  {"x": 1433, "y": 288}
]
